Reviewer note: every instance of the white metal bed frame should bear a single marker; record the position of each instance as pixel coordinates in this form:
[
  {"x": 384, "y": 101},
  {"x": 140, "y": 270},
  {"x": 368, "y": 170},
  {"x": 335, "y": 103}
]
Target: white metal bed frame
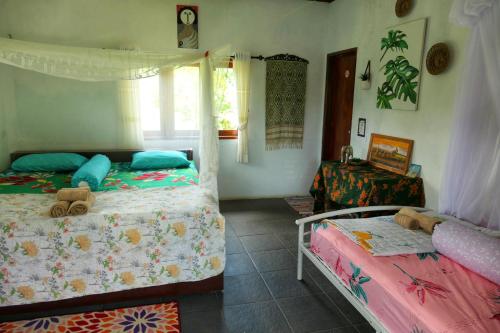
[{"x": 325, "y": 269}]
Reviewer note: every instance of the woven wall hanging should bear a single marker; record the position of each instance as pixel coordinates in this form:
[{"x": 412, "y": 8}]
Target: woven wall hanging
[
  {"x": 403, "y": 7},
  {"x": 438, "y": 58}
]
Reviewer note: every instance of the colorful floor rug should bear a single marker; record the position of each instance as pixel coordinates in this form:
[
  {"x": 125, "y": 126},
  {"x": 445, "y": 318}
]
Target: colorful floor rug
[
  {"x": 302, "y": 205},
  {"x": 156, "y": 318}
]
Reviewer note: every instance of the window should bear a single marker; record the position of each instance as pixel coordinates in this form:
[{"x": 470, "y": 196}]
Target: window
[{"x": 170, "y": 105}]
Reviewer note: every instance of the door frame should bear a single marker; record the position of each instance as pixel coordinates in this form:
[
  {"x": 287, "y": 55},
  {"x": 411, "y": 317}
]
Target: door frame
[{"x": 327, "y": 100}]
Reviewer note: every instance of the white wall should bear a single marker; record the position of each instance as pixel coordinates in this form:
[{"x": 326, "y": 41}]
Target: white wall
[
  {"x": 6, "y": 112},
  {"x": 360, "y": 23},
  {"x": 57, "y": 113}
]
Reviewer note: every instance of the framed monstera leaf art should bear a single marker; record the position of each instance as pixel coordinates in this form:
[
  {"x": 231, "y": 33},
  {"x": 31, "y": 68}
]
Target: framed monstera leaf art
[{"x": 401, "y": 50}]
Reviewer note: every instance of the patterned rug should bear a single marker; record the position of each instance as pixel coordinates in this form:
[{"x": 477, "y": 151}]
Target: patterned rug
[
  {"x": 156, "y": 318},
  {"x": 302, "y": 205}
]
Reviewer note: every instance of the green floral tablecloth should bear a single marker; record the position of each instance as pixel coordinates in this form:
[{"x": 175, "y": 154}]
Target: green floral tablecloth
[{"x": 356, "y": 186}]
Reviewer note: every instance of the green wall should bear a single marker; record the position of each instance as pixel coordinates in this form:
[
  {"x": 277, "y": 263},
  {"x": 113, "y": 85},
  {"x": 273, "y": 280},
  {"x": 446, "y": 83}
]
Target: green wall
[{"x": 7, "y": 106}]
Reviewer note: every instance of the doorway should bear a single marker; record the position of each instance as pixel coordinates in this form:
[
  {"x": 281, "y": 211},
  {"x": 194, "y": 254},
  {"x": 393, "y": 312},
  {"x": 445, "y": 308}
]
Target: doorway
[{"x": 339, "y": 96}]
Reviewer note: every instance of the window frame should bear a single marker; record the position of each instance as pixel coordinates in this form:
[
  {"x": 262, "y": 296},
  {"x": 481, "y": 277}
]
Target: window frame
[{"x": 167, "y": 114}]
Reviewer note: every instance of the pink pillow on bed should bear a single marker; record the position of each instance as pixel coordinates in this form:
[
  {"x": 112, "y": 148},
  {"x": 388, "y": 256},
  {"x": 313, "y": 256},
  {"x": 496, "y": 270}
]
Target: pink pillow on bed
[{"x": 470, "y": 248}]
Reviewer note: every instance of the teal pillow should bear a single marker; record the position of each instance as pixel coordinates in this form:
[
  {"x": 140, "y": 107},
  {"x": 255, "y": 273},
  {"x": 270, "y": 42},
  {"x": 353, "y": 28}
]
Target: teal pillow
[
  {"x": 155, "y": 159},
  {"x": 49, "y": 162},
  {"x": 93, "y": 172}
]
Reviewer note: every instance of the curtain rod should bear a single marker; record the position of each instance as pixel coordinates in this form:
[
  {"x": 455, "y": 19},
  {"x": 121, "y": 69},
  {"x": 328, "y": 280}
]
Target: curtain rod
[
  {"x": 286, "y": 57},
  {"x": 259, "y": 57}
]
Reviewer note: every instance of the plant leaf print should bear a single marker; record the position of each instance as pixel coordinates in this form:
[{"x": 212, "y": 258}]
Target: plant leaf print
[
  {"x": 316, "y": 226},
  {"x": 423, "y": 256},
  {"x": 422, "y": 287},
  {"x": 395, "y": 40},
  {"x": 355, "y": 282}
]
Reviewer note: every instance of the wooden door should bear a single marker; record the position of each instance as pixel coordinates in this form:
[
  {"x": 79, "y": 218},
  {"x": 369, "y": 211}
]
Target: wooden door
[{"x": 339, "y": 94}]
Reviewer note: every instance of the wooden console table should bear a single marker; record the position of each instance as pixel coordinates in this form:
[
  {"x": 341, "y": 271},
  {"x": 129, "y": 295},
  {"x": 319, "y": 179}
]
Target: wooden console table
[{"x": 337, "y": 185}]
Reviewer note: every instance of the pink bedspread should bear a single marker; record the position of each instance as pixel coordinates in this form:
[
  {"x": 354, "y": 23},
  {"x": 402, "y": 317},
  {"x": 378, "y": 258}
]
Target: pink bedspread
[{"x": 411, "y": 293}]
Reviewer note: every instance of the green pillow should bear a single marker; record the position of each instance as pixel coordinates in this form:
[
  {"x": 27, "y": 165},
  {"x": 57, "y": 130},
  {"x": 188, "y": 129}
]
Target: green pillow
[
  {"x": 156, "y": 159},
  {"x": 49, "y": 162}
]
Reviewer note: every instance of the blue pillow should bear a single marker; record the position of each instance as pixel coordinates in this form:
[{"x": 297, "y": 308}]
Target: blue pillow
[
  {"x": 49, "y": 162},
  {"x": 155, "y": 159},
  {"x": 93, "y": 172}
]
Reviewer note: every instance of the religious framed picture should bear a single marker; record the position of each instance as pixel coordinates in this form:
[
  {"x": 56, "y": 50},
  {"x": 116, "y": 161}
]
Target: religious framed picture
[
  {"x": 390, "y": 153},
  {"x": 187, "y": 27},
  {"x": 401, "y": 52},
  {"x": 361, "y": 127}
]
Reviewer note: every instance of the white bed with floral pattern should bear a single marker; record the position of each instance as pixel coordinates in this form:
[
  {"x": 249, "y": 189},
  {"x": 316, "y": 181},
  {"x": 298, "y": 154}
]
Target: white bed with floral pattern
[{"x": 129, "y": 239}]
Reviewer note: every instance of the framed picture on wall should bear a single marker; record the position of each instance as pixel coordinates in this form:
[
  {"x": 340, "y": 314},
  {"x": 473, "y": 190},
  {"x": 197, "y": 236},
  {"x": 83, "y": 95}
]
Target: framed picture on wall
[
  {"x": 187, "y": 27},
  {"x": 390, "y": 153},
  {"x": 401, "y": 50},
  {"x": 361, "y": 127}
]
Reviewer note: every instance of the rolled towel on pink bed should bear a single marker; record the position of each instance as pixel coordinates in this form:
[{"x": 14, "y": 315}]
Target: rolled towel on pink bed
[{"x": 470, "y": 248}]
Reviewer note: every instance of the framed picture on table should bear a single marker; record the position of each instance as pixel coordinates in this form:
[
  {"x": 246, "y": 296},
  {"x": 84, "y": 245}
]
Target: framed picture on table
[{"x": 390, "y": 153}]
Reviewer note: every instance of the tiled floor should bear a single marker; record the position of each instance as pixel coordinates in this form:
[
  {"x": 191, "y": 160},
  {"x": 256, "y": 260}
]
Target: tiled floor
[{"x": 261, "y": 292}]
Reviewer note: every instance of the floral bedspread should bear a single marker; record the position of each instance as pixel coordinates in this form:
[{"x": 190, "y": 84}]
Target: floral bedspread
[
  {"x": 414, "y": 293},
  {"x": 129, "y": 239},
  {"x": 120, "y": 177}
]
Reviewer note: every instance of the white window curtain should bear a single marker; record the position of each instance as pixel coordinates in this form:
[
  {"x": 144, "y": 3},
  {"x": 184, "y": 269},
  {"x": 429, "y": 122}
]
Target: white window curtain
[
  {"x": 471, "y": 180},
  {"x": 241, "y": 66},
  {"x": 130, "y": 134},
  {"x": 209, "y": 134},
  {"x": 209, "y": 145}
]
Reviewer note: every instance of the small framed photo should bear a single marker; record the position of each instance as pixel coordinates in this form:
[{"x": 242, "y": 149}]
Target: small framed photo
[
  {"x": 414, "y": 170},
  {"x": 361, "y": 127}
]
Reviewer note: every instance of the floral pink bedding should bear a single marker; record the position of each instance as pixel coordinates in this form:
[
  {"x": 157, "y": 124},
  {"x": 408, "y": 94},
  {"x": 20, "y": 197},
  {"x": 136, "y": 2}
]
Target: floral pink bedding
[{"x": 415, "y": 293}]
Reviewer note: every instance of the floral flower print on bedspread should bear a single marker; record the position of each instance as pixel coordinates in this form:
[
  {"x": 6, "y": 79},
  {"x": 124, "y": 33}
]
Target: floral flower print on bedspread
[
  {"x": 152, "y": 176},
  {"x": 422, "y": 287},
  {"x": 40, "y": 179}
]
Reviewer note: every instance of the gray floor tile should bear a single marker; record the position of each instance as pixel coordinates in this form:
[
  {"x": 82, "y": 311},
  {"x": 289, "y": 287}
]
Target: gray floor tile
[
  {"x": 285, "y": 284},
  {"x": 255, "y": 318},
  {"x": 256, "y": 215},
  {"x": 273, "y": 260},
  {"x": 346, "y": 307},
  {"x": 127, "y": 304},
  {"x": 254, "y": 243},
  {"x": 241, "y": 289},
  {"x": 283, "y": 225},
  {"x": 349, "y": 329},
  {"x": 200, "y": 302},
  {"x": 288, "y": 239},
  {"x": 312, "y": 313},
  {"x": 237, "y": 264},
  {"x": 233, "y": 245},
  {"x": 203, "y": 322},
  {"x": 318, "y": 277},
  {"x": 245, "y": 228},
  {"x": 364, "y": 328},
  {"x": 229, "y": 230}
]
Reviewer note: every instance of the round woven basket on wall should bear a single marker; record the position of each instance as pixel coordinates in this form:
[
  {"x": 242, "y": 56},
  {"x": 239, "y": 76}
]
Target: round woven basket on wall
[
  {"x": 403, "y": 7},
  {"x": 438, "y": 58}
]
